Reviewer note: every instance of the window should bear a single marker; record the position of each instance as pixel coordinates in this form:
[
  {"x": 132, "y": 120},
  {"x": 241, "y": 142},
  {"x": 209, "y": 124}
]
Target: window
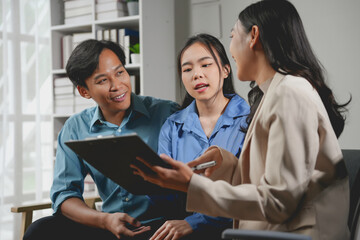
[{"x": 26, "y": 156}]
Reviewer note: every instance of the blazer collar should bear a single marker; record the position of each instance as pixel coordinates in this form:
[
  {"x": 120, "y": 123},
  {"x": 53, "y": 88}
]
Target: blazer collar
[{"x": 267, "y": 87}]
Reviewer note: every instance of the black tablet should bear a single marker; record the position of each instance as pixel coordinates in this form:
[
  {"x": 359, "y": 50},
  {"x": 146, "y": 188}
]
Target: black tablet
[{"x": 112, "y": 156}]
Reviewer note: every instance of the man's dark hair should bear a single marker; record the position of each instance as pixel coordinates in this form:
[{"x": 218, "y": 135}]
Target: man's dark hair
[{"x": 84, "y": 59}]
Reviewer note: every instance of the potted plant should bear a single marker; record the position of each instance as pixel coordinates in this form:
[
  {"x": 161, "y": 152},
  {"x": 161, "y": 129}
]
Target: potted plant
[
  {"x": 135, "y": 53},
  {"x": 133, "y": 7}
]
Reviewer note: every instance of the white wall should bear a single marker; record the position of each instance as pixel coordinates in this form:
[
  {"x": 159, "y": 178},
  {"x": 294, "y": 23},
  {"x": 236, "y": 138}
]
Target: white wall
[{"x": 333, "y": 31}]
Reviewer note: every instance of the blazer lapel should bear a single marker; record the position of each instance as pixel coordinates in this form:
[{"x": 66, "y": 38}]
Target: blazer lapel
[{"x": 245, "y": 153}]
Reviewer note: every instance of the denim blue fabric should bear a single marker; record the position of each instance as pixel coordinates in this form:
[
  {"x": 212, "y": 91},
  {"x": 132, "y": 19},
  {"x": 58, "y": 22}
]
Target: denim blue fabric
[
  {"x": 145, "y": 116},
  {"x": 183, "y": 139}
]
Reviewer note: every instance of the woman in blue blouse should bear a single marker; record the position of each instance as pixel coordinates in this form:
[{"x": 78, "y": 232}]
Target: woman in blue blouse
[{"x": 212, "y": 114}]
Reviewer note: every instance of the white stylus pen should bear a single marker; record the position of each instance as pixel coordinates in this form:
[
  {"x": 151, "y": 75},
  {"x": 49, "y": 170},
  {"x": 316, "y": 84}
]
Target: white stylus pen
[{"x": 204, "y": 165}]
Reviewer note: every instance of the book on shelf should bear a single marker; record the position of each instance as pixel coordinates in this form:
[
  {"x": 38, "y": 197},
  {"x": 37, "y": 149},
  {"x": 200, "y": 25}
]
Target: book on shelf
[
  {"x": 83, "y": 102},
  {"x": 64, "y": 104},
  {"x": 62, "y": 81},
  {"x": 133, "y": 83},
  {"x": 114, "y": 35},
  {"x": 78, "y": 107},
  {"x": 69, "y": 42},
  {"x": 106, "y": 1},
  {"x": 67, "y": 47},
  {"x": 75, "y": 12},
  {"x": 83, "y": 19},
  {"x": 111, "y": 14},
  {"x": 126, "y": 38},
  {"x": 122, "y": 32},
  {"x": 80, "y": 37},
  {"x": 99, "y": 34},
  {"x": 79, "y": 100},
  {"x": 106, "y": 34},
  {"x": 64, "y": 90},
  {"x": 109, "y": 6},
  {"x": 64, "y": 100},
  {"x": 129, "y": 40},
  {"x": 76, "y": 4}
]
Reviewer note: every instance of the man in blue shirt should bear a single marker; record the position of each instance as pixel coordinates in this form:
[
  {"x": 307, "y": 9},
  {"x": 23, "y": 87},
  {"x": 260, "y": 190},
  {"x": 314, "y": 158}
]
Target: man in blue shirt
[{"x": 96, "y": 69}]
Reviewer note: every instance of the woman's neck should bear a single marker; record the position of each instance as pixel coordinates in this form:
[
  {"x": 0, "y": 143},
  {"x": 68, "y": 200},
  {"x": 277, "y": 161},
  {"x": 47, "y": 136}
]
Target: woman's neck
[
  {"x": 210, "y": 111},
  {"x": 213, "y": 107},
  {"x": 264, "y": 71}
]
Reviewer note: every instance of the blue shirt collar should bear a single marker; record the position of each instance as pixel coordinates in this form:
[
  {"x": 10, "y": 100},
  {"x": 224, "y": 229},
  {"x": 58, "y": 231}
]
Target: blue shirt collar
[
  {"x": 136, "y": 106},
  {"x": 233, "y": 110},
  {"x": 189, "y": 116}
]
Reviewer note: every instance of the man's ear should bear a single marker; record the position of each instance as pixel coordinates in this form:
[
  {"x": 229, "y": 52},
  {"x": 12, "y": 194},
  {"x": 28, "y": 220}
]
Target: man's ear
[
  {"x": 255, "y": 36},
  {"x": 83, "y": 92}
]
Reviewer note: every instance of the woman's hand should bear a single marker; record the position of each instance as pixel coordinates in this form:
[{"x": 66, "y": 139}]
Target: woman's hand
[
  {"x": 177, "y": 178},
  {"x": 212, "y": 154},
  {"x": 116, "y": 223},
  {"x": 173, "y": 229}
]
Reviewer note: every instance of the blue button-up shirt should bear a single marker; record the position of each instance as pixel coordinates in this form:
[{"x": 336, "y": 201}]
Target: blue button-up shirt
[
  {"x": 183, "y": 139},
  {"x": 145, "y": 117}
]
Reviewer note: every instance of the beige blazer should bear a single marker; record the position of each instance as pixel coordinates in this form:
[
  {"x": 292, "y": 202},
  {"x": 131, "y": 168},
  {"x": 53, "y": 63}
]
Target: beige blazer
[{"x": 286, "y": 178}]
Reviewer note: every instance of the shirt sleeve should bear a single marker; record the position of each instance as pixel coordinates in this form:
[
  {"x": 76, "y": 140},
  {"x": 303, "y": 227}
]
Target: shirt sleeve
[
  {"x": 69, "y": 171},
  {"x": 199, "y": 221},
  {"x": 165, "y": 139},
  {"x": 290, "y": 157}
]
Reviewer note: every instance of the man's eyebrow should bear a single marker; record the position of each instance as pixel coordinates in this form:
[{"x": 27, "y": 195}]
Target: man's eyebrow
[
  {"x": 103, "y": 75},
  {"x": 120, "y": 65},
  {"x": 199, "y": 60},
  {"x": 99, "y": 76}
]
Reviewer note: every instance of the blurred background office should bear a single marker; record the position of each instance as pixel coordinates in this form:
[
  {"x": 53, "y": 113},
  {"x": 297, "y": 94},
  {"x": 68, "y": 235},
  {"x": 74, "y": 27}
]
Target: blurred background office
[{"x": 27, "y": 74}]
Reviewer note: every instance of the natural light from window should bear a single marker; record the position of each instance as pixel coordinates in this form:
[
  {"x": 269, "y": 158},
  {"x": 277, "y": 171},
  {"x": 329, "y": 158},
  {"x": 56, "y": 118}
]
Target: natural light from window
[{"x": 26, "y": 148}]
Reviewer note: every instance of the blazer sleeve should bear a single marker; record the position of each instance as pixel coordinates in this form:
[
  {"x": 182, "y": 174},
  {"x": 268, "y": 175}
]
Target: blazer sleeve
[{"x": 289, "y": 163}]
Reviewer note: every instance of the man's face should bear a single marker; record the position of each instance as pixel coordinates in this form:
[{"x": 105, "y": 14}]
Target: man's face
[{"x": 109, "y": 86}]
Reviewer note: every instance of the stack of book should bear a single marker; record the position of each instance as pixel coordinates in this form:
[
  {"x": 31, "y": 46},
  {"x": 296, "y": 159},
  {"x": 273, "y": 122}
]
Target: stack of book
[
  {"x": 63, "y": 96},
  {"x": 67, "y": 99},
  {"x": 69, "y": 42},
  {"x": 110, "y": 9},
  {"x": 125, "y": 37},
  {"x": 81, "y": 103},
  {"x": 133, "y": 82},
  {"x": 77, "y": 11}
]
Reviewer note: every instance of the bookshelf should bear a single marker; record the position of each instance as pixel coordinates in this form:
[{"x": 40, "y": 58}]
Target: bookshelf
[{"x": 156, "y": 72}]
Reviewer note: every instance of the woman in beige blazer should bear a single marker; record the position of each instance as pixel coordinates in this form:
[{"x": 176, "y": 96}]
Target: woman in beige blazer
[{"x": 290, "y": 175}]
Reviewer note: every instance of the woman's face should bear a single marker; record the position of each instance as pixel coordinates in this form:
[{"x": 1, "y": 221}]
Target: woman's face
[
  {"x": 200, "y": 73},
  {"x": 241, "y": 52}
]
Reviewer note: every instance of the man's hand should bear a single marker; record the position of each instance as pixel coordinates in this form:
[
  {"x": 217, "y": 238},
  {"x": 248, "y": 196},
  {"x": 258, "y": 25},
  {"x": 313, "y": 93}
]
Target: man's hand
[
  {"x": 174, "y": 229},
  {"x": 78, "y": 211},
  {"x": 116, "y": 223}
]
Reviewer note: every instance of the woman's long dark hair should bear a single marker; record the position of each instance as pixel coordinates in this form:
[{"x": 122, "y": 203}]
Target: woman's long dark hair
[
  {"x": 211, "y": 43},
  {"x": 288, "y": 50}
]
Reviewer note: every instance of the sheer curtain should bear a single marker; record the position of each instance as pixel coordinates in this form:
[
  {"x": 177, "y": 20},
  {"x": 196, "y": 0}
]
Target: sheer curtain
[{"x": 26, "y": 156}]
